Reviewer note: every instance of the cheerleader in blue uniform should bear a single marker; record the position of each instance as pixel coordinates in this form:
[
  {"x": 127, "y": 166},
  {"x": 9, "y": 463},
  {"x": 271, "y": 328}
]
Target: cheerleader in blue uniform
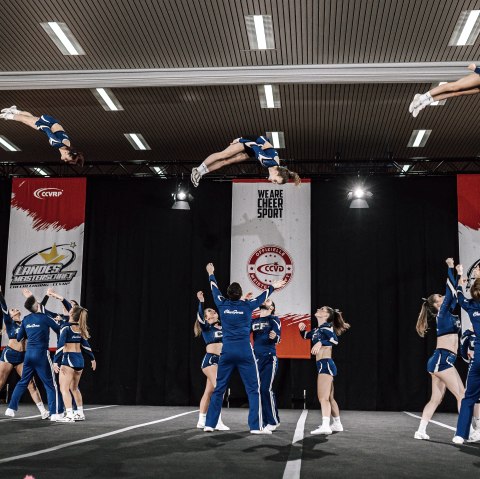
[
  {"x": 14, "y": 354},
  {"x": 467, "y": 85},
  {"x": 441, "y": 364},
  {"x": 51, "y": 127},
  {"x": 324, "y": 337},
  {"x": 208, "y": 325},
  {"x": 266, "y": 335},
  {"x": 69, "y": 363},
  {"x": 242, "y": 149},
  {"x": 472, "y": 392}
]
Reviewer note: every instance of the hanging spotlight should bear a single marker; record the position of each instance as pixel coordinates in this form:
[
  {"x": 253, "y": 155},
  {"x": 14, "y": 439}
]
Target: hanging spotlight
[
  {"x": 182, "y": 197},
  {"x": 358, "y": 197}
]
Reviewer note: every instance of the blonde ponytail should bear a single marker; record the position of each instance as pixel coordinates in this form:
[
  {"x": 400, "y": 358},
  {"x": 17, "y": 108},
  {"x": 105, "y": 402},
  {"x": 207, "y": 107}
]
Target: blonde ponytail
[
  {"x": 80, "y": 316},
  {"x": 428, "y": 309}
]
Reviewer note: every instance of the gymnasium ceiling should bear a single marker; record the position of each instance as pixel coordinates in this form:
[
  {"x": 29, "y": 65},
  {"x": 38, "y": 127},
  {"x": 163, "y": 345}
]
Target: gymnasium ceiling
[{"x": 352, "y": 119}]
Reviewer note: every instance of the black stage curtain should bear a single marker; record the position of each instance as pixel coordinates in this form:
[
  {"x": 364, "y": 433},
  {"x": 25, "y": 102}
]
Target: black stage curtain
[
  {"x": 144, "y": 263},
  {"x": 5, "y": 194}
]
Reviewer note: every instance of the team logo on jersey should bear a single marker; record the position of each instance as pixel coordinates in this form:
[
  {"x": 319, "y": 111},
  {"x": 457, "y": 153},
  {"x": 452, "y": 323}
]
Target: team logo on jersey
[
  {"x": 45, "y": 193},
  {"x": 268, "y": 264},
  {"x": 46, "y": 267},
  {"x": 471, "y": 274}
]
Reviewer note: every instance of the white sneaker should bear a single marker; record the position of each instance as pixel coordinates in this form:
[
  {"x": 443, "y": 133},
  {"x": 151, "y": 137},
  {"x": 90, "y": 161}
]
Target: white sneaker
[
  {"x": 195, "y": 177},
  {"x": 10, "y": 412},
  {"x": 322, "y": 430},
  {"x": 208, "y": 429},
  {"x": 200, "y": 425},
  {"x": 260, "y": 431},
  {"x": 56, "y": 417},
  {"x": 474, "y": 437},
  {"x": 414, "y": 103},
  {"x": 221, "y": 427},
  {"x": 12, "y": 109},
  {"x": 7, "y": 115},
  {"x": 271, "y": 427},
  {"x": 336, "y": 427},
  {"x": 45, "y": 414},
  {"x": 421, "y": 435},
  {"x": 79, "y": 416},
  {"x": 457, "y": 440},
  {"x": 66, "y": 419}
]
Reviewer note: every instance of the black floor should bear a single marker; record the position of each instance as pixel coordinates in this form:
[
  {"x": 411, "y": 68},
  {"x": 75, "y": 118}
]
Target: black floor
[{"x": 374, "y": 444}]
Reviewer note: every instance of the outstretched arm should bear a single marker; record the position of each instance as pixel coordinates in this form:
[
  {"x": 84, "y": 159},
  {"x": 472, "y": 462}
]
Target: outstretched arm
[
  {"x": 217, "y": 294},
  {"x": 256, "y": 302},
  {"x": 464, "y": 303},
  {"x": 450, "y": 300},
  {"x": 303, "y": 331}
]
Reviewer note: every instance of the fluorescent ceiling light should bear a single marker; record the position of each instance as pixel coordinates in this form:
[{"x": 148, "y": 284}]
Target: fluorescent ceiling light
[
  {"x": 7, "y": 144},
  {"x": 137, "y": 141},
  {"x": 39, "y": 171},
  {"x": 63, "y": 38},
  {"x": 159, "y": 171},
  {"x": 269, "y": 96},
  {"x": 107, "y": 99},
  {"x": 418, "y": 138},
  {"x": 405, "y": 168},
  {"x": 277, "y": 137},
  {"x": 441, "y": 102},
  {"x": 467, "y": 29},
  {"x": 260, "y": 32}
]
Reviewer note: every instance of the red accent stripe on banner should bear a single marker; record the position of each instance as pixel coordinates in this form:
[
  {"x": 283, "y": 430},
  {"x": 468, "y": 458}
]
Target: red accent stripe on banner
[
  {"x": 36, "y": 195},
  {"x": 468, "y": 194},
  {"x": 263, "y": 180}
]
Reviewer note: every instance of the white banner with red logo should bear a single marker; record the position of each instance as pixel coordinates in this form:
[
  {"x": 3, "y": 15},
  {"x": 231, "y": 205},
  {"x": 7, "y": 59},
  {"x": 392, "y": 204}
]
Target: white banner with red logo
[
  {"x": 270, "y": 242},
  {"x": 468, "y": 194},
  {"x": 45, "y": 244}
]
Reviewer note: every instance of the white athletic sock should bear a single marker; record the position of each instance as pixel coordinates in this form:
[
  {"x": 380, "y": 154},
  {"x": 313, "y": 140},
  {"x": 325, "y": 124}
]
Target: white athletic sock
[
  {"x": 325, "y": 421},
  {"x": 69, "y": 412},
  {"x": 423, "y": 426},
  {"x": 426, "y": 98},
  {"x": 202, "y": 416},
  {"x": 80, "y": 409},
  {"x": 336, "y": 420},
  {"x": 40, "y": 406},
  {"x": 202, "y": 169}
]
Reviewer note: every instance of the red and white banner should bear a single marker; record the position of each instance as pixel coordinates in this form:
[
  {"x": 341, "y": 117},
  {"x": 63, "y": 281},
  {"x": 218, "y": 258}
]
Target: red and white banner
[
  {"x": 468, "y": 194},
  {"x": 270, "y": 242},
  {"x": 45, "y": 243}
]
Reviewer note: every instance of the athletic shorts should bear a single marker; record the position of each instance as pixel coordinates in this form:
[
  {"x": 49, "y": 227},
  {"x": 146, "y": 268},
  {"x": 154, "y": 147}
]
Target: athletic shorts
[
  {"x": 441, "y": 360},
  {"x": 210, "y": 360},
  {"x": 73, "y": 360},
  {"x": 327, "y": 366},
  {"x": 12, "y": 357}
]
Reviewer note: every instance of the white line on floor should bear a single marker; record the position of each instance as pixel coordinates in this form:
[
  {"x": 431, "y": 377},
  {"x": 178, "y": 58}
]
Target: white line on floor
[
  {"x": 293, "y": 467},
  {"x": 93, "y": 438},
  {"x": 434, "y": 422}
]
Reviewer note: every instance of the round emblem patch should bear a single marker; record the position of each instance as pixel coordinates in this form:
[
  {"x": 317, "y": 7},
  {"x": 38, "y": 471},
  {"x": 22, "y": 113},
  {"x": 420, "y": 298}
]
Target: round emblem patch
[{"x": 268, "y": 264}]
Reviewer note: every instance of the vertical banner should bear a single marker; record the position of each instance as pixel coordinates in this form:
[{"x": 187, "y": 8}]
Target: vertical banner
[
  {"x": 45, "y": 243},
  {"x": 270, "y": 242},
  {"x": 468, "y": 194}
]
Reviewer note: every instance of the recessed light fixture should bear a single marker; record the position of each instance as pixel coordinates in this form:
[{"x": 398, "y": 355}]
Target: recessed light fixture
[
  {"x": 419, "y": 138},
  {"x": 40, "y": 171},
  {"x": 467, "y": 29},
  {"x": 159, "y": 171},
  {"x": 269, "y": 96},
  {"x": 277, "y": 137},
  {"x": 7, "y": 144},
  {"x": 107, "y": 99},
  {"x": 405, "y": 168},
  {"x": 63, "y": 38},
  {"x": 441, "y": 102},
  {"x": 137, "y": 141},
  {"x": 260, "y": 32}
]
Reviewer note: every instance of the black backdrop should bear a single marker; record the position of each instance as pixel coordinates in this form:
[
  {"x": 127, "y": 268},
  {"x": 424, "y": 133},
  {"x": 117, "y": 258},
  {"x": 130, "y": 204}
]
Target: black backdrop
[{"x": 144, "y": 263}]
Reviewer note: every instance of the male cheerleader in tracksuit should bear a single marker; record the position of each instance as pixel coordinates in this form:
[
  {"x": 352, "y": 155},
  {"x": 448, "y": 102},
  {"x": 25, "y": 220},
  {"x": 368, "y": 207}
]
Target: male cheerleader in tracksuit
[
  {"x": 237, "y": 352},
  {"x": 266, "y": 336},
  {"x": 467, "y": 352},
  {"x": 35, "y": 328}
]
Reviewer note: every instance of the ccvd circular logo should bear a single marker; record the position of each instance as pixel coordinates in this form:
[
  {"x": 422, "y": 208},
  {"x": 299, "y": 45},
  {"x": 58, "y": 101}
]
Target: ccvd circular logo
[{"x": 268, "y": 264}]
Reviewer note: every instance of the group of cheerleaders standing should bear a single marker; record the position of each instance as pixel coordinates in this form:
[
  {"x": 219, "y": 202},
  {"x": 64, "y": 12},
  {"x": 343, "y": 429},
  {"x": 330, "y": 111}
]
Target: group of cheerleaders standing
[
  {"x": 441, "y": 364},
  {"x": 27, "y": 352},
  {"x": 231, "y": 331}
]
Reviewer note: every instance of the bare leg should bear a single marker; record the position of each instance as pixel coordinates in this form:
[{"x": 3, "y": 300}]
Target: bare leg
[
  {"x": 32, "y": 387},
  {"x": 27, "y": 119},
  {"x": 66, "y": 377},
  {"x": 5, "y": 370},
  {"x": 228, "y": 152},
  {"x": 454, "y": 384},
  {"x": 334, "y": 405},
  {"x": 324, "y": 389},
  {"x": 238, "y": 158},
  {"x": 444, "y": 96},
  {"x": 77, "y": 395},
  {"x": 438, "y": 391},
  {"x": 468, "y": 82},
  {"x": 211, "y": 373}
]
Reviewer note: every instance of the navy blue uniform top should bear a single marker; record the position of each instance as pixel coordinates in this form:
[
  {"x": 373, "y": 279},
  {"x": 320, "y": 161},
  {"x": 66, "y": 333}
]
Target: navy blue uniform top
[
  {"x": 261, "y": 328},
  {"x": 467, "y": 344},
  {"x": 65, "y": 317},
  {"x": 44, "y": 124},
  {"x": 68, "y": 335},
  {"x": 268, "y": 157},
  {"x": 236, "y": 316},
  {"x": 36, "y": 328},
  {"x": 10, "y": 325},
  {"x": 447, "y": 322},
  {"x": 472, "y": 308},
  {"x": 324, "y": 334},
  {"x": 210, "y": 332}
]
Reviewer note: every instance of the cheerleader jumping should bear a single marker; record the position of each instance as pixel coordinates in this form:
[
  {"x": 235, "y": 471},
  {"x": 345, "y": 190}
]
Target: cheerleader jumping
[{"x": 242, "y": 149}]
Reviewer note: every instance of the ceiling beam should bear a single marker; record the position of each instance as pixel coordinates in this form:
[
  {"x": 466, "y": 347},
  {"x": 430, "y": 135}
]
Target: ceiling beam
[{"x": 168, "y": 77}]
